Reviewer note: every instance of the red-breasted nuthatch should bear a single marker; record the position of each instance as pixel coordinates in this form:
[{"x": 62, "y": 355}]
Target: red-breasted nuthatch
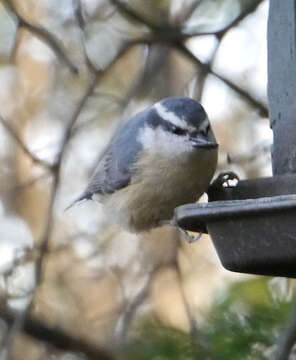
[{"x": 163, "y": 157}]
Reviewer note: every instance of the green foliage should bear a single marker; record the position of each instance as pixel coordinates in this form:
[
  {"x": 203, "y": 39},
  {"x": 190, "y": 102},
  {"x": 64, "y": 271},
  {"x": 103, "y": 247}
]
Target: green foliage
[
  {"x": 157, "y": 342},
  {"x": 243, "y": 324}
]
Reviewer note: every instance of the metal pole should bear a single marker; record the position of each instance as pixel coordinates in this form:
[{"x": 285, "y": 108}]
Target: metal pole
[{"x": 282, "y": 84}]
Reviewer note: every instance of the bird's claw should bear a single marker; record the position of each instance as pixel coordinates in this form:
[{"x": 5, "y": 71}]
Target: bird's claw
[
  {"x": 189, "y": 237},
  {"x": 185, "y": 233}
]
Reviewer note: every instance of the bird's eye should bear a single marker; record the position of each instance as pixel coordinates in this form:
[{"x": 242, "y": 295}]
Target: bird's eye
[{"x": 177, "y": 130}]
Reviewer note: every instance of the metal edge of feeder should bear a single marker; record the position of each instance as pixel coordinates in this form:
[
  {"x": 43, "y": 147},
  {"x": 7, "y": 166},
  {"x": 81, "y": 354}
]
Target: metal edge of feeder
[
  {"x": 252, "y": 224},
  {"x": 195, "y": 217}
]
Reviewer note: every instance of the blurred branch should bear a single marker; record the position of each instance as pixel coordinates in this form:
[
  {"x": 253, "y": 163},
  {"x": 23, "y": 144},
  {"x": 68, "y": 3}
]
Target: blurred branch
[
  {"x": 53, "y": 335},
  {"x": 22, "y": 145},
  {"x": 246, "y": 12},
  {"x": 172, "y": 36},
  {"x": 28, "y": 183},
  {"x": 81, "y": 24},
  {"x": 192, "y": 321},
  {"x": 78, "y": 14},
  {"x": 175, "y": 32},
  {"x": 251, "y": 155},
  {"x": 167, "y": 34},
  {"x": 42, "y": 33},
  {"x": 155, "y": 60},
  {"x": 202, "y": 75},
  {"x": 206, "y": 67},
  {"x": 127, "y": 316},
  {"x": 19, "y": 320},
  {"x": 128, "y": 11},
  {"x": 220, "y": 33},
  {"x": 56, "y": 169},
  {"x": 153, "y": 65},
  {"x": 44, "y": 241},
  {"x": 287, "y": 338},
  {"x": 197, "y": 337},
  {"x": 186, "y": 13}
]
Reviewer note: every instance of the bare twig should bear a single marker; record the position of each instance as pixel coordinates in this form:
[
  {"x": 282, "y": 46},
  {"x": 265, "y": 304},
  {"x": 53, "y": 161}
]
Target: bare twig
[
  {"x": 154, "y": 63},
  {"x": 196, "y": 336},
  {"x": 287, "y": 338},
  {"x": 244, "y": 94},
  {"x": 186, "y": 13},
  {"x": 219, "y": 33},
  {"x": 81, "y": 25},
  {"x": 128, "y": 315},
  {"x": 19, "y": 320},
  {"x": 28, "y": 183},
  {"x": 42, "y": 33},
  {"x": 53, "y": 335},
  {"x": 202, "y": 75},
  {"x": 172, "y": 36},
  {"x": 128, "y": 11},
  {"x": 78, "y": 14},
  {"x": 175, "y": 31},
  {"x": 44, "y": 241},
  {"x": 192, "y": 321},
  {"x": 22, "y": 145},
  {"x": 251, "y": 155}
]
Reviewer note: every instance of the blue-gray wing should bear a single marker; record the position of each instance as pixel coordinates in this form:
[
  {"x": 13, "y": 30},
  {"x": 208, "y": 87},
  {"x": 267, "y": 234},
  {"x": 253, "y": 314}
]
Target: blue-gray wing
[
  {"x": 112, "y": 173},
  {"x": 115, "y": 168}
]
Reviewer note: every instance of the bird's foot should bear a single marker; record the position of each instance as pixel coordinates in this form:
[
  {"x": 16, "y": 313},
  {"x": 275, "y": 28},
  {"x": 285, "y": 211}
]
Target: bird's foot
[
  {"x": 184, "y": 233},
  {"x": 188, "y": 237}
]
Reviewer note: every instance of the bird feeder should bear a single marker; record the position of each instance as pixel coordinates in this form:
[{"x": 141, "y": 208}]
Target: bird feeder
[{"x": 253, "y": 224}]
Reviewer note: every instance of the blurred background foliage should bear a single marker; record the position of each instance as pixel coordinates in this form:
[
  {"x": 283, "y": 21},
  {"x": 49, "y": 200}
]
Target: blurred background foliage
[
  {"x": 243, "y": 323},
  {"x": 70, "y": 72}
]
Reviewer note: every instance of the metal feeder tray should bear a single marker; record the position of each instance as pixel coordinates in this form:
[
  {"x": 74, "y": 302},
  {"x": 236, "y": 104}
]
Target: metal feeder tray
[{"x": 252, "y": 225}]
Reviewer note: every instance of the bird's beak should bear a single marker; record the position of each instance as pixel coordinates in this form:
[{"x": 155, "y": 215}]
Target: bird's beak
[{"x": 201, "y": 142}]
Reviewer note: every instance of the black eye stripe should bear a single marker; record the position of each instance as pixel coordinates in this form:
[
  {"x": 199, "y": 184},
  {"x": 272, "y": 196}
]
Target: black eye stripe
[
  {"x": 173, "y": 128},
  {"x": 177, "y": 130}
]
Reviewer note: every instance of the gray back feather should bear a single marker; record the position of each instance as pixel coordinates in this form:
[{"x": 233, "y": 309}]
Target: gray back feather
[{"x": 115, "y": 167}]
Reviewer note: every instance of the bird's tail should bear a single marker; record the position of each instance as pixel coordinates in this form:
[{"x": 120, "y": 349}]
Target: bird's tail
[{"x": 84, "y": 196}]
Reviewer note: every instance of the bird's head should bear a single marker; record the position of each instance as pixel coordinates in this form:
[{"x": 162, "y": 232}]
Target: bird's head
[{"x": 177, "y": 126}]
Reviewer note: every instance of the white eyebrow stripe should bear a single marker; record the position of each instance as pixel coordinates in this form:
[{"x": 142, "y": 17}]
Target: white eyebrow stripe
[{"x": 169, "y": 116}]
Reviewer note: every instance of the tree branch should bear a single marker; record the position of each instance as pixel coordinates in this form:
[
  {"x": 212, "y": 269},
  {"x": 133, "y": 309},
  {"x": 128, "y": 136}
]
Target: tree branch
[
  {"x": 22, "y": 145},
  {"x": 206, "y": 67},
  {"x": 42, "y": 33},
  {"x": 128, "y": 11},
  {"x": 287, "y": 338},
  {"x": 172, "y": 36},
  {"x": 53, "y": 335},
  {"x": 220, "y": 33}
]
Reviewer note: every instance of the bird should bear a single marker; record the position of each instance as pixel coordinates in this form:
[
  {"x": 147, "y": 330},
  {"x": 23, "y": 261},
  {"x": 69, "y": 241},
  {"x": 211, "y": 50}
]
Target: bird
[{"x": 163, "y": 157}]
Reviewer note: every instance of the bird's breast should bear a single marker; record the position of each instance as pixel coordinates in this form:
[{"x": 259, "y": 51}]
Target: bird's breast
[{"x": 161, "y": 184}]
